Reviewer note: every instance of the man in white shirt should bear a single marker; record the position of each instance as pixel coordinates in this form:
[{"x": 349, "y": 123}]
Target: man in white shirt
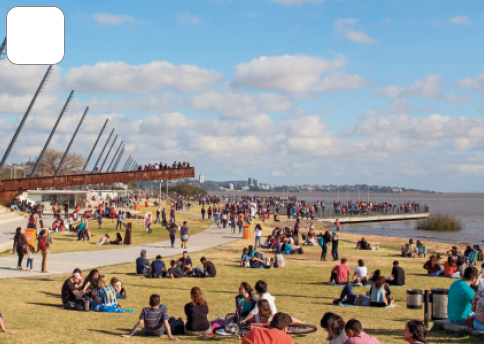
[{"x": 261, "y": 289}]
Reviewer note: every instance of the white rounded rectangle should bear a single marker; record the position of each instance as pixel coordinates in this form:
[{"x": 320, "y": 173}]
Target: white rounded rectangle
[{"x": 35, "y": 35}]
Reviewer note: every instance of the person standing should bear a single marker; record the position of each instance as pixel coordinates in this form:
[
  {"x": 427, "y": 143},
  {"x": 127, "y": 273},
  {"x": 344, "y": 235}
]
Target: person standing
[
  {"x": 334, "y": 246},
  {"x": 19, "y": 246},
  {"x": 43, "y": 245},
  {"x": 147, "y": 223},
  {"x": 66, "y": 209},
  {"x": 258, "y": 234},
  {"x": 203, "y": 211},
  {"x": 158, "y": 213},
  {"x": 185, "y": 235},
  {"x": 172, "y": 230},
  {"x": 119, "y": 219}
]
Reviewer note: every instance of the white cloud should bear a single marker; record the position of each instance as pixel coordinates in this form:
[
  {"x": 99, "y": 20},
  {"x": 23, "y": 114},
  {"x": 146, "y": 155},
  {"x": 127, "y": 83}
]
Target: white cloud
[
  {"x": 299, "y": 74},
  {"x": 428, "y": 87},
  {"x": 297, "y": 2},
  {"x": 461, "y": 20},
  {"x": 113, "y": 19},
  {"x": 477, "y": 83},
  {"x": 344, "y": 28},
  {"x": 235, "y": 106},
  {"x": 187, "y": 18},
  {"x": 119, "y": 77}
]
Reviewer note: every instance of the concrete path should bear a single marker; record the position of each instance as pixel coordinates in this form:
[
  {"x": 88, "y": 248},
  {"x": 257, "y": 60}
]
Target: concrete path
[{"x": 66, "y": 262}]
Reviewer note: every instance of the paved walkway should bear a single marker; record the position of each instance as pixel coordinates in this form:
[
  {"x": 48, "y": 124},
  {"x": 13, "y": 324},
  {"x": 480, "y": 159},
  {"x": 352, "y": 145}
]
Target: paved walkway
[{"x": 60, "y": 263}]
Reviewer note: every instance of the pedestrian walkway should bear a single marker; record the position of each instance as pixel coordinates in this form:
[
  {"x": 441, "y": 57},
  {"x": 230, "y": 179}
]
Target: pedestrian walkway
[{"x": 60, "y": 263}]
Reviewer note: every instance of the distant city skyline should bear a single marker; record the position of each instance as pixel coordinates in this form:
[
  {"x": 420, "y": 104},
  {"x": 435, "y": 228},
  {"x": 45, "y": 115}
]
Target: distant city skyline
[{"x": 305, "y": 91}]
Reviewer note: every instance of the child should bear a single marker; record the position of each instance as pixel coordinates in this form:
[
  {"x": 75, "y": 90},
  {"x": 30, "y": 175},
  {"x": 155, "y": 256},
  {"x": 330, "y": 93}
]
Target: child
[
  {"x": 30, "y": 258},
  {"x": 258, "y": 234},
  {"x": 120, "y": 291},
  {"x": 266, "y": 216}
]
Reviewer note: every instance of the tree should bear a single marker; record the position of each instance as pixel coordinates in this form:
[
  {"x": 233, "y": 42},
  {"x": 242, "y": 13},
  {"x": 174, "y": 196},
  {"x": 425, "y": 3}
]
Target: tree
[
  {"x": 186, "y": 190},
  {"x": 51, "y": 159}
]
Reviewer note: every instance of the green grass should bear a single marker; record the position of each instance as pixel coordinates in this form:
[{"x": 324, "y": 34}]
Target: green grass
[
  {"x": 31, "y": 306},
  {"x": 439, "y": 222}
]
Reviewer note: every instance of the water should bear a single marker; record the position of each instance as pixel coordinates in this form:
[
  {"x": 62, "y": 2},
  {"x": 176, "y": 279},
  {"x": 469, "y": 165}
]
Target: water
[{"x": 468, "y": 208}]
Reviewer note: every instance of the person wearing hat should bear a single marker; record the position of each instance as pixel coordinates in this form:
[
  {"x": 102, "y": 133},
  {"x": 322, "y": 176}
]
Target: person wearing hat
[
  {"x": 334, "y": 246},
  {"x": 71, "y": 296},
  {"x": 276, "y": 333}
]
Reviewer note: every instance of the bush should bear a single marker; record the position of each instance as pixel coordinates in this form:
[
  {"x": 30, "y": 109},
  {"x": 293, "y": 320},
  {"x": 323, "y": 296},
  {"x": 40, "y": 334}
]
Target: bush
[
  {"x": 187, "y": 190},
  {"x": 439, "y": 222}
]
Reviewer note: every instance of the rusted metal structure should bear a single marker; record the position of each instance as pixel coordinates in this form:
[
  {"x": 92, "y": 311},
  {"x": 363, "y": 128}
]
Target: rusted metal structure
[{"x": 12, "y": 188}]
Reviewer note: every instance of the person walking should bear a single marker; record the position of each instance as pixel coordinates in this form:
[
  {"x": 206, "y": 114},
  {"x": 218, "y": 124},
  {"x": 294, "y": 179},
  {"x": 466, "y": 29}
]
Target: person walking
[
  {"x": 119, "y": 219},
  {"x": 19, "y": 246},
  {"x": 66, "y": 209},
  {"x": 43, "y": 245},
  {"x": 258, "y": 234},
  {"x": 147, "y": 223},
  {"x": 185, "y": 235},
  {"x": 334, "y": 246},
  {"x": 203, "y": 211}
]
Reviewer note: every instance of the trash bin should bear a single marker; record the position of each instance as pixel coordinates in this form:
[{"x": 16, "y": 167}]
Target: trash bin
[
  {"x": 138, "y": 207},
  {"x": 440, "y": 298},
  {"x": 414, "y": 299},
  {"x": 247, "y": 230},
  {"x": 30, "y": 235},
  {"x": 127, "y": 234},
  {"x": 146, "y": 204}
]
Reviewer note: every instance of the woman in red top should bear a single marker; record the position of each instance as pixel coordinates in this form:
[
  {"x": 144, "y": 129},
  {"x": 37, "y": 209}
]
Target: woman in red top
[{"x": 450, "y": 268}]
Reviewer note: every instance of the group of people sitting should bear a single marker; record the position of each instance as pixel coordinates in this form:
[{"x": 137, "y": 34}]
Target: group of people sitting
[
  {"x": 351, "y": 332},
  {"x": 178, "y": 268},
  {"x": 160, "y": 166},
  {"x": 92, "y": 293},
  {"x": 105, "y": 240},
  {"x": 453, "y": 267},
  {"x": 471, "y": 254},
  {"x": 252, "y": 258},
  {"x": 414, "y": 250}
]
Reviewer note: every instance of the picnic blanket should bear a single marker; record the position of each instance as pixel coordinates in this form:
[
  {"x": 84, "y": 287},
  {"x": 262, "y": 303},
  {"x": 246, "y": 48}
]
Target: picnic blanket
[
  {"x": 353, "y": 285},
  {"x": 348, "y": 305}
]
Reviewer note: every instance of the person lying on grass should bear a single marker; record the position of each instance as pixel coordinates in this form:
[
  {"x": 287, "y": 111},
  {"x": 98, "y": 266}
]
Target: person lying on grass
[
  {"x": 348, "y": 297},
  {"x": 154, "y": 319}
]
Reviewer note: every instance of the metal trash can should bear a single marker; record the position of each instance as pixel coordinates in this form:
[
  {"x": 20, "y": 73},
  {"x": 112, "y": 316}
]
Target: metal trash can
[
  {"x": 439, "y": 298},
  {"x": 414, "y": 299}
]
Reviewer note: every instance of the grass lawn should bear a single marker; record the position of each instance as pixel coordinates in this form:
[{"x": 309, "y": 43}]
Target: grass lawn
[
  {"x": 31, "y": 306},
  {"x": 65, "y": 242}
]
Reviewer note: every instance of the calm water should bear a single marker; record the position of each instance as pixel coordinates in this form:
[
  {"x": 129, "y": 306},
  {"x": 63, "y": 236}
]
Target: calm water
[{"x": 469, "y": 208}]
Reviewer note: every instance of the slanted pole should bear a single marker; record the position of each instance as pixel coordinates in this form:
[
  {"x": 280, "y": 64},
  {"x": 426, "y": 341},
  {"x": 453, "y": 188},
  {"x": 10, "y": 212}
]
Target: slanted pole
[
  {"x": 2, "y": 48},
  {"x": 66, "y": 105},
  {"x": 26, "y": 115},
  {"x": 118, "y": 160},
  {"x": 115, "y": 156},
  {"x": 95, "y": 145},
  {"x": 126, "y": 164},
  {"x": 109, "y": 152},
  {"x": 102, "y": 152},
  {"x": 72, "y": 140}
]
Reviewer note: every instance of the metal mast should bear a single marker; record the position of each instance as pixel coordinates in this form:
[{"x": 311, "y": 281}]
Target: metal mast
[
  {"x": 95, "y": 145},
  {"x": 64, "y": 109},
  {"x": 126, "y": 164},
  {"x": 70, "y": 143},
  {"x": 118, "y": 160},
  {"x": 100, "y": 155},
  {"x": 115, "y": 156},
  {"x": 2, "y": 48},
  {"x": 109, "y": 152},
  {"x": 32, "y": 102}
]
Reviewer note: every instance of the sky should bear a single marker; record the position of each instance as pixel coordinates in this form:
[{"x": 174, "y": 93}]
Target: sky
[{"x": 385, "y": 92}]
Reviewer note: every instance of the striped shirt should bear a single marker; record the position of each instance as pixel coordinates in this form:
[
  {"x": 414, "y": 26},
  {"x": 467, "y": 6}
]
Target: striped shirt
[{"x": 154, "y": 320}]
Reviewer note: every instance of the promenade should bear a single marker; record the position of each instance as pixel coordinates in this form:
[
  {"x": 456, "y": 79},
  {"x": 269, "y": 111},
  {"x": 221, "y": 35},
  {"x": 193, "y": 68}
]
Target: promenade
[{"x": 60, "y": 263}]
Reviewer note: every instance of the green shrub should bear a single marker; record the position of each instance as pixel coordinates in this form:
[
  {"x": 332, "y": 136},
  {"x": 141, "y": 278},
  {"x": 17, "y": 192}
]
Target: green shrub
[{"x": 439, "y": 222}]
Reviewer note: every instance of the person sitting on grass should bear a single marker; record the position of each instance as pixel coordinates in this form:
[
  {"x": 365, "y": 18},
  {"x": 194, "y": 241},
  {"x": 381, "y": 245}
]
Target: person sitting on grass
[
  {"x": 105, "y": 298},
  {"x": 185, "y": 263},
  {"x": 118, "y": 288},
  {"x": 268, "y": 242},
  {"x": 91, "y": 283},
  {"x": 415, "y": 332},
  {"x": 450, "y": 268},
  {"x": 348, "y": 297},
  {"x": 252, "y": 251},
  {"x": 380, "y": 294},
  {"x": 275, "y": 334},
  {"x": 245, "y": 300},
  {"x": 244, "y": 259},
  {"x": 453, "y": 252},
  {"x": 208, "y": 269},
  {"x": 433, "y": 266},
  {"x": 398, "y": 275},
  {"x": 71, "y": 296},
  {"x": 361, "y": 273},
  {"x": 354, "y": 331},
  {"x": 340, "y": 273},
  {"x": 2, "y": 325},
  {"x": 103, "y": 240},
  {"x": 197, "y": 315},
  {"x": 363, "y": 245},
  {"x": 154, "y": 319},
  {"x": 461, "y": 295},
  {"x": 158, "y": 268},
  {"x": 279, "y": 261},
  {"x": 264, "y": 315},
  {"x": 261, "y": 289},
  {"x": 143, "y": 265},
  {"x": 175, "y": 271},
  {"x": 335, "y": 327},
  {"x": 118, "y": 240},
  {"x": 256, "y": 262}
]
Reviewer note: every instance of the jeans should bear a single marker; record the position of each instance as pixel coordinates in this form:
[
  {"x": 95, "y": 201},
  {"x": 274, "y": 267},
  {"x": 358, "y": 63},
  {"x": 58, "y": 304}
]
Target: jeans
[
  {"x": 334, "y": 253},
  {"x": 149, "y": 228},
  {"x": 20, "y": 255},
  {"x": 118, "y": 224},
  {"x": 349, "y": 294},
  {"x": 257, "y": 241},
  {"x": 172, "y": 239},
  {"x": 478, "y": 325},
  {"x": 438, "y": 273},
  {"x": 323, "y": 252},
  {"x": 240, "y": 229},
  {"x": 30, "y": 262},
  {"x": 203, "y": 216}
]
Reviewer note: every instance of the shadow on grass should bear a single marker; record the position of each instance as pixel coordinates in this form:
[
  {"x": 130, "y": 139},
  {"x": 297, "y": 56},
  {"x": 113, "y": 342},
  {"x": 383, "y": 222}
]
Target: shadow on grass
[
  {"x": 58, "y": 306},
  {"x": 51, "y": 294},
  {"x": 385, "y": 332},
  {"x": 125, "y": 331}
]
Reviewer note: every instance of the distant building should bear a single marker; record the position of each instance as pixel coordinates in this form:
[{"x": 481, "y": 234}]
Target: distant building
[
  {"x": 250, "y": 182},
  {"x": 231, "y": 186},
  {"x": 245, "y": 188},
  {"x": 256, "y": 182},
  {"x": 201, "y": 179}
]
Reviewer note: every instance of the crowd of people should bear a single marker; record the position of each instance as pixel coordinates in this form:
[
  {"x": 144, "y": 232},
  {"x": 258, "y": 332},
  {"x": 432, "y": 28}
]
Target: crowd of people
[{"x": 161, "y": 166}]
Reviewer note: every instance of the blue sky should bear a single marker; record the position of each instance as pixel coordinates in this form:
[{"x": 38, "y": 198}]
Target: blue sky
[{"x": 289, "y": 91}]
